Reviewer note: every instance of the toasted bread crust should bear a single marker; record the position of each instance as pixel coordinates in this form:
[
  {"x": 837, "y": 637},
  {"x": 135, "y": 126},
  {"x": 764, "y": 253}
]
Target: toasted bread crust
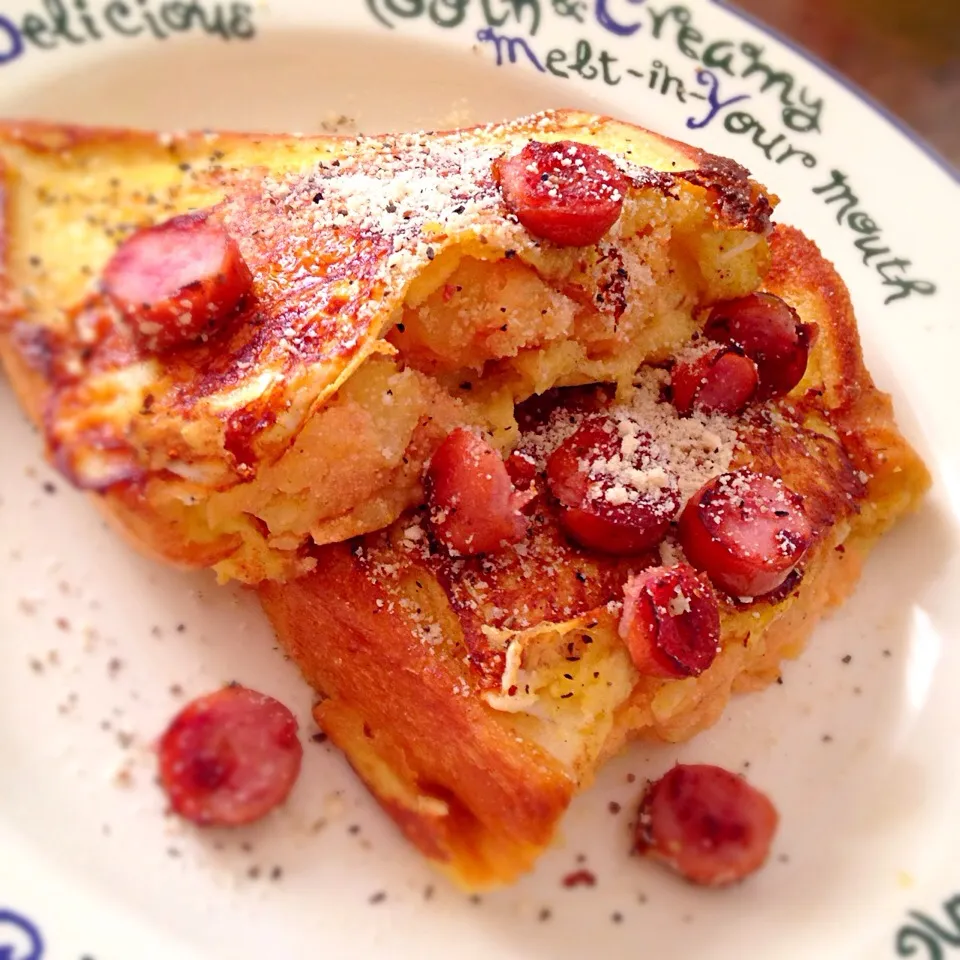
[
  {"x": 453, "y": 776},
  {"x": 739, "y": 200},
  {"x": 859, "y": 413}
]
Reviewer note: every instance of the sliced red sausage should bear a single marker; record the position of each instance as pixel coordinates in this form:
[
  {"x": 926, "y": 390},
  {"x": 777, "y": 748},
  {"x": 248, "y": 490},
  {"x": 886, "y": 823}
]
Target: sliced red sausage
[
  {"x": 720, "y": 380},
  {"x": 614, "y": 496},
  {"x": 746, "y": 530},
  {"x": 522, "y": 469},
  {"x": 177, "y": 280},
  {"x": 770, "y": 333},
  {"x": 566, "y": 192},
  {"x": 230, "y": 757},
  {"x": 706, "y": 823},
  {"x": 670, "y": 622},
  {"x": 474, "y": 507}
]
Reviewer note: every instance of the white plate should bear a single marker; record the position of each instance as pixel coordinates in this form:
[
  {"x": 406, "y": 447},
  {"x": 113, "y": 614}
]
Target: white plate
[{"x": 860, "y": 757}]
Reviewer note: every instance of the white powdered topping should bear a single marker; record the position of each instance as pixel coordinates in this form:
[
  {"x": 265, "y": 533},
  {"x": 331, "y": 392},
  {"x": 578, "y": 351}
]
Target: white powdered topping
[
  {"x": 697, "y": 348},
  {"x": 679, "y": 603},
  {"x": 688, "y": 450},
  {"x": 537, "y": 444},
  {"x": 407, "y": 188},
  {"x": 416, "y": 187},
  {"x": 414, "y": 533},
  {"x": 657, "y": 456},
  {"x": 671, "y": 554}
]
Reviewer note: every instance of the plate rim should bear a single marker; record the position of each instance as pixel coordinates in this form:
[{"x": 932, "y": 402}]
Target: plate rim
[{"x": 851, "y": 86}]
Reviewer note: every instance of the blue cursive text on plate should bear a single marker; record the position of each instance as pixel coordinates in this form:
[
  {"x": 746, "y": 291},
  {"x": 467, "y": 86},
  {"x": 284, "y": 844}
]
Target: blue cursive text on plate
[
  {"x": 69, "y": 23},
  {"x": 720, "y": 82},
  {"x": 19, "y": 938}
]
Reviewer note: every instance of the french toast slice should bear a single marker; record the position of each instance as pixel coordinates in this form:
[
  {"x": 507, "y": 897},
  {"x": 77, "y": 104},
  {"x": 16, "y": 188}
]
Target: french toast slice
[
  {"x": 476, "y": 695},
  {"x": 394, "y": 296}
]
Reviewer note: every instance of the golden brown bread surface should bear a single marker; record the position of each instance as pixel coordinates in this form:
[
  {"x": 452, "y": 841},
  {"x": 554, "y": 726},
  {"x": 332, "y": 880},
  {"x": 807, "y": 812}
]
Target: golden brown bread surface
[
  {"x": 416, "y": 684},
  {"x": 393, "y": 298},
  {"x": 473, "y": 697}
]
